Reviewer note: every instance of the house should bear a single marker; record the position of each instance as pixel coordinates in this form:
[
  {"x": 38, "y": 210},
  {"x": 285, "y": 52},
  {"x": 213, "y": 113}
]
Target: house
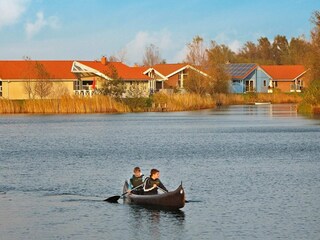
[
  {"x": 250, "y": 77},
  {"x": 91, "y": 74},
  {"x": 243, "y": 77},
  {"x": 18, "y": 79},
  {"x": 171, "y": 76},
  {"x": 286, "y": 78},
  {"x": 158, "y": 79}
]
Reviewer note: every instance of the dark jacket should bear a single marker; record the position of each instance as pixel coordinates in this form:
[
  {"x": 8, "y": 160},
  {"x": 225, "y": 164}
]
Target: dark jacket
[
  {"x": 148, "y": 186},
  {"x": 136, "y": 181}
]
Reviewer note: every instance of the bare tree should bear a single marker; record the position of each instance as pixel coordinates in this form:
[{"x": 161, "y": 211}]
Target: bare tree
[
  {"x": 197, "y": 54},
  {"x": 29, "y": 83},
  {"x": 218, "y": 56},
  {"x": 43, "y": 86},
  {"x": 212, "y": 61},
  {"x": 59, "y": 90},
  {"x": 119, "y": 56},
  {"x": 113, "y": 58},
  {"x": 151, "y": 56},
  {"x": 28, "y": 86},
  {"x": 196, "y": 83}
]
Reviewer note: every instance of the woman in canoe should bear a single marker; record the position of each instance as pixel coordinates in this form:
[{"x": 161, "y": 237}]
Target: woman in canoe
[{"x": 151, "y": 184}]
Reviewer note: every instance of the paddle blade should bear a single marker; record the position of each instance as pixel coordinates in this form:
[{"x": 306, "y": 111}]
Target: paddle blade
[{"x": 113, "y": 199}]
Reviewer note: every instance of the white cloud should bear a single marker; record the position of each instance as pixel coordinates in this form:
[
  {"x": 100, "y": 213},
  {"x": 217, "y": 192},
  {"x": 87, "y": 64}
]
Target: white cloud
[
  {"x": 136, "y": 47},
  {"x": 11, "y": 10},
  {"x": 34, "y": 28},
  {"x": 181, "y": 55},
  {"x": 223, "y": 38},
  {"x": 235, "y": 46}
]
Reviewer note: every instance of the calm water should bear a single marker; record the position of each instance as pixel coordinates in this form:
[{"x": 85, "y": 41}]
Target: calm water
[{"x": 250, "y": 172}]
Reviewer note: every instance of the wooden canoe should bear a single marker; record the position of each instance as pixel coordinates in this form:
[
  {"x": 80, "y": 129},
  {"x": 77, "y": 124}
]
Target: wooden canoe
[{"x": 169, "y": 201}]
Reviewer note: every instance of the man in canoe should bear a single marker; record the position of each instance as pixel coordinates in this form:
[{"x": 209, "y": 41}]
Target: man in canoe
[
  {"x": 152, "y": 183},
  {"x": 136, "y": 181}
]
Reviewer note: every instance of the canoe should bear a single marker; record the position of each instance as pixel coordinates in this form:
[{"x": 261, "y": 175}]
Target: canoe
[{"x": 169, "y": 201}]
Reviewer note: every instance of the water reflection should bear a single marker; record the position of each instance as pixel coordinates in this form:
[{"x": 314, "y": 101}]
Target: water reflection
[
  {"x": 154, "y": 221},
  {"x": 283, "y": 110},
  {"x": 273, "y": 110}
]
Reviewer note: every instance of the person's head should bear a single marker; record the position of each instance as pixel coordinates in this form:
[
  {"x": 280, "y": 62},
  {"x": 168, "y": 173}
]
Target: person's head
[
  {"x": 137, "y": 171},
  {"x": 154, "y": 173}
]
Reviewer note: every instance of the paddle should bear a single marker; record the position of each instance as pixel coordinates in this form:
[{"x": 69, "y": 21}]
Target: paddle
[
  {"x": 162, "y": 189},
  {"x": 114, "y": 199}
]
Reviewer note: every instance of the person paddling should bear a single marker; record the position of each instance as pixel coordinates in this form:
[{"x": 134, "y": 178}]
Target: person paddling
[
  {"x": 136, "y": 181},
  {"x": 152, "y": 183}
]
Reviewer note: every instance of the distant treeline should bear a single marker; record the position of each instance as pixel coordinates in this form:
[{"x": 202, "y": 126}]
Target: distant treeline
[{"x": 278, "y": 51}]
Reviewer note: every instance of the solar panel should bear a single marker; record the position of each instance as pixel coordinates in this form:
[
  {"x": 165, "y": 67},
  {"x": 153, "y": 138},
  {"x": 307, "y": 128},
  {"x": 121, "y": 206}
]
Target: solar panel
[{"x": 239, "y": 70}]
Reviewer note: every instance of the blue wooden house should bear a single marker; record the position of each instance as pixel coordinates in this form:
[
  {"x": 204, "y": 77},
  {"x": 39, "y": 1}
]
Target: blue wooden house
[
  {"x": 250, "y": 77},
  {"x": 243, "y": 77}
]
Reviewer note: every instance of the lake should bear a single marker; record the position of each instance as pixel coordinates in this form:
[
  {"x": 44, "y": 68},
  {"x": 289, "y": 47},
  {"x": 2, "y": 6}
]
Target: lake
[{"x": 249, "y": 172}]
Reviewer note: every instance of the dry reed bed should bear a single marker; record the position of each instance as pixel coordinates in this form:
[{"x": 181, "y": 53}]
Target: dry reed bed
[
  {"x": 184, "y": 102},
  {"x": 275, "y": 98},
  {"x": 97, "y": 104},
  {"x": 174, "y": 102},
  {"x": 8, "y": 106}
]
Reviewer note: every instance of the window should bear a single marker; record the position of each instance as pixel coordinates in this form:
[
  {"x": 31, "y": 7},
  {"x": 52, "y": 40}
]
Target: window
[
  {"x": 275, "y": 84},
  {"x": 182, "y": 77},
  {"x": 249, "y": 86},
  {"x": 76, "y": 85},
  {"x": 264, "y": 83}
]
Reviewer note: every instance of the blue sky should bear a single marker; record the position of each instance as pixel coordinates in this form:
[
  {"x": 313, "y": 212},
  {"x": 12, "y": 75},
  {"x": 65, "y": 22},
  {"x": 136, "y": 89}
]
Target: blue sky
[{"x": 88, "y": 29}]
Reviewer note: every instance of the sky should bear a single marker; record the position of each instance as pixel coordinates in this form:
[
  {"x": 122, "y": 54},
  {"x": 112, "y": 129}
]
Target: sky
[{"x": 90, "y": 29}]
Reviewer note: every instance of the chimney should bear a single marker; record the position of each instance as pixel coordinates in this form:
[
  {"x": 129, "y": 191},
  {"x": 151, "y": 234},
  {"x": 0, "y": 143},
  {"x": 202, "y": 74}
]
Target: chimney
[{"x": 104, "y": 60}]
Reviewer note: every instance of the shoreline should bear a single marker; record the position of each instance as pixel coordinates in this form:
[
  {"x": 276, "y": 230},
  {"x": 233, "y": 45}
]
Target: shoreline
[{"x": 157, "y": 103}]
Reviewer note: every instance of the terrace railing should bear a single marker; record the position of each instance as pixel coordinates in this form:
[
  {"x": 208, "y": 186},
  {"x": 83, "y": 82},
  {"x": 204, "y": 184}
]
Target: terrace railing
[
  {"x": 84, "y": 93},
  {"x": 295, "y": 87}
]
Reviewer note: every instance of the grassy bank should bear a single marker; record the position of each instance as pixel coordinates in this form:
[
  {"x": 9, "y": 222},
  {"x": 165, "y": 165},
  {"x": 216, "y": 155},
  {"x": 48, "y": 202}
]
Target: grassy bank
[
  {"x": 309, "y": 109},
  {"x": 249, "y": 98},
  {"x": 182, "y": 102},
  {"x": 311, "y": 100},
  {"x": 158, "y": 102}
]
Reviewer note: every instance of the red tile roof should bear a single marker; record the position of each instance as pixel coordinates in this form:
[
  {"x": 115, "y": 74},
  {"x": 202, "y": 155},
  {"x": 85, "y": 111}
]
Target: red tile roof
[
  {"x": 141, "y": 68},
  {"x": 284, "y": 72},
  {"x": 26, "y": 69},
  {"x": 125, "y": 72},
  {"x": 167, "y": 69}
]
